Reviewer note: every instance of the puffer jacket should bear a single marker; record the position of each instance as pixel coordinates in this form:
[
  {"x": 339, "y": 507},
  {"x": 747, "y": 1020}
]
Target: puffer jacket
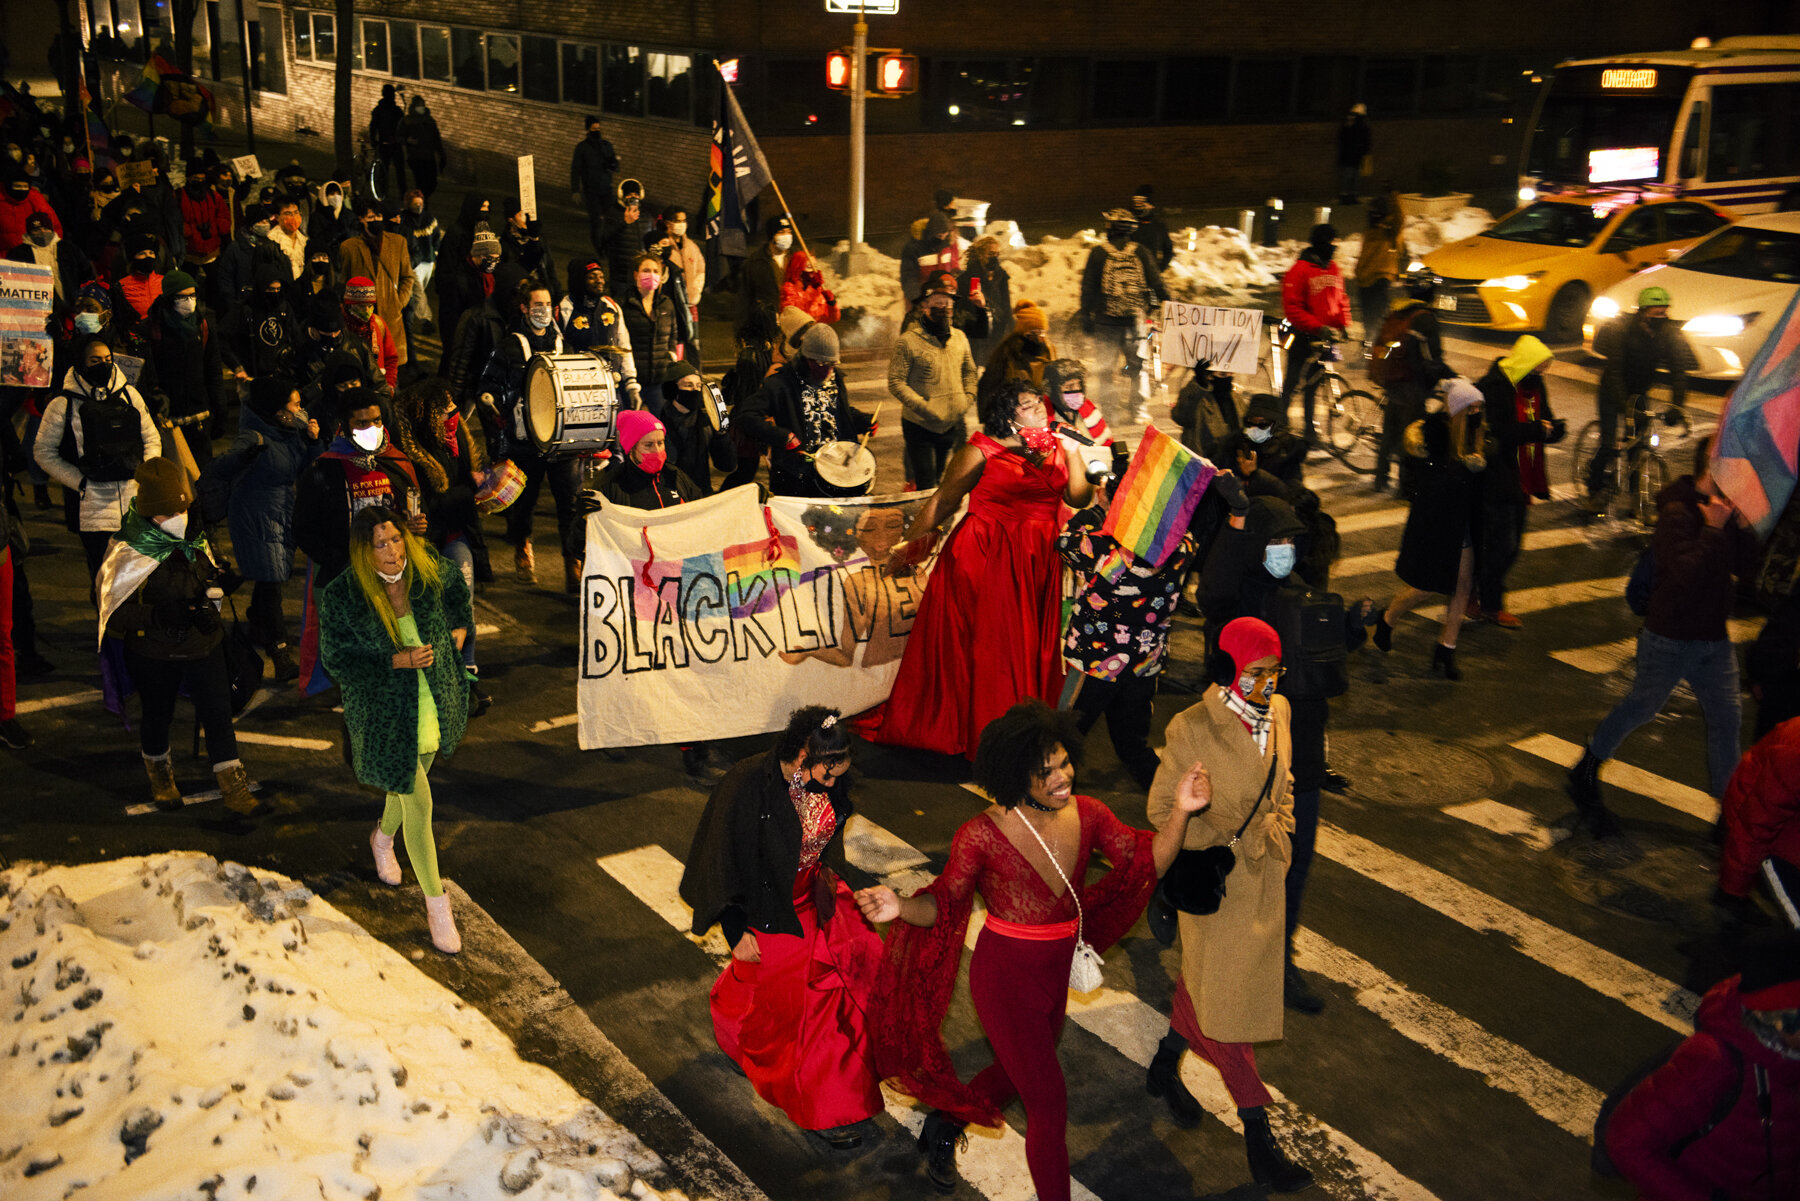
[
  {"x": 61, "y": 445},
  {"x": 1762, "y": 809}
]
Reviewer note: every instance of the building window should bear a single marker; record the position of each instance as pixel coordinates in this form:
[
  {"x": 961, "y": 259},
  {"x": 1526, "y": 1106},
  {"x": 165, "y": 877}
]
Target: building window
[
  {"x": 268, "y": 68},
  {"x": 1125, "y": 90},
  {"x": 1196, "y": 89},
  {"x": 1390, "y": 86},
  {"x": 1328, "y": 86},
  {"x": 797, "y": 100},
  {"x": 669, "y": 85},
  {"x": 503, "y": 63},
  {"x": 1058, "y": 92},
  {"x": 1263, "y": 89},
  {"x": 537, "y": 71},
  {"x": 990, "y": 93},
  {"x": 324, "y": 29},
  {"x": 1448, "y": 85},
  {"x": 434, "y": 54},
  {"x": 466, "y": 52},
  {"x": 580, "y": 74},
  {"x": 374, "y": 46},
  {"x": 403, "y": 49},
  {"x": 622, "y": 80}
]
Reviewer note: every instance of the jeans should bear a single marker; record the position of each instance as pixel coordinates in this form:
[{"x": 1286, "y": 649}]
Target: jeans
[
  {"x": 1126, "y": 704},
  {"x": 1710, "y": 669},
  {"x": 1302, "y": 346},
  {"x": 1504, "y": 524},
  {"x": 1306, "y": 834},
  {"x": 927, "y": 452},
  {"x": 1610, "y": 412},
  {"x": 1348, "y": 174},
  {"x": 458, "y": 551},
  {"x": 158, "y": 681}
]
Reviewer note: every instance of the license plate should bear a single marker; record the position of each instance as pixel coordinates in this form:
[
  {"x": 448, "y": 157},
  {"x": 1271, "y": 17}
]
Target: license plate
[{"x": 1447, "y": 302}]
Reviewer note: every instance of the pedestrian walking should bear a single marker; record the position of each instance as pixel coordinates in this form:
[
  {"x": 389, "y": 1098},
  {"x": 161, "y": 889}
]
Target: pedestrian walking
[
  {"x": 390, "y": 632},
  {"x": 1121, "y": 292},
  {"x": 1406, "y": 360},
  {"x": 422, "y": 146},
  {"x": 384, "y": 137},
  {"x": 803, "y": 405},
  {"x": 1355, "y": 146},
  {"x": 1379, "y": 263},
  {"x": 382, "y": 259},
  {"x": 932, "y": 374},
  {"x": 591, "y": 168},
  {"x": 1520, "y": 424}
]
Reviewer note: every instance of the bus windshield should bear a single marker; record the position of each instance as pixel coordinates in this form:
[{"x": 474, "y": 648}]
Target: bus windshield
[{"x": 1592, "y": 129}]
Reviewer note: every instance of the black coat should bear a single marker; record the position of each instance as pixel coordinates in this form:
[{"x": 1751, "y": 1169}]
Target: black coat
[
  {"x": 186, "y": 372},
  {"x": 762, "y": 281},
  {"x": 1446, "y": 512},
  {"x": 625, "y": 483},
  {"x": 169, "y": 617},
  {"x": 745, "y": 856},
  {"x": 1506, "y": 433},
  {"x": 695, "y": 447},
  {"x": 322, "y": 506},
  {"x": 653, "y": 338},
  {"x": 774, "y": 413}
]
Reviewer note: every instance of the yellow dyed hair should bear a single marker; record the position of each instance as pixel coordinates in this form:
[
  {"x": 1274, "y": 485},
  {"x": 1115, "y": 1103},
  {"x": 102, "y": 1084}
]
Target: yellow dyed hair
[{"x": 422, "y": 570}]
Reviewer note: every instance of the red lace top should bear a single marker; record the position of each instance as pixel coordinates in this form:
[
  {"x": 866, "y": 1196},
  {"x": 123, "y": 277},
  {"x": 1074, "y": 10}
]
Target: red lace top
[
  {"x": 818, "y": 822},
  {"x": 920, "y": 964}
]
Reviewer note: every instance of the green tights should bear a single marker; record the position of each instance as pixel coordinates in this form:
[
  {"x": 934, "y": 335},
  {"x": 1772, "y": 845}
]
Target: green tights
[{"x": 413, "y": 810}]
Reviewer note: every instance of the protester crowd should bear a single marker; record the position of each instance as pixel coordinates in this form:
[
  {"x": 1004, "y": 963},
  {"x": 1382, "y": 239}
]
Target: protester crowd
[{"x": 238, "y": 407}]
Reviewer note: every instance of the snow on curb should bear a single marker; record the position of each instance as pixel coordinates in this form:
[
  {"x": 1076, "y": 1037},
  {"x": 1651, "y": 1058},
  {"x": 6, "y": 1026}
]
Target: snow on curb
[{"x": 185, "y": 1029}]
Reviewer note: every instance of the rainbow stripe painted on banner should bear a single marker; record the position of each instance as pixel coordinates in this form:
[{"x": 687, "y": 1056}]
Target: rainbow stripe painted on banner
[
  {"x": 762, "y": 578},
  {"x": 1152, "y": 505}
]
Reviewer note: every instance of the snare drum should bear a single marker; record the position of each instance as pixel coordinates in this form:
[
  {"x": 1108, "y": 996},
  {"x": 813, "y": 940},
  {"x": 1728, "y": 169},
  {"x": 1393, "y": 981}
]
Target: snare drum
[
  {"x": 571, "y": 403},
  {"x": 844, "y": 469},
  {"x": 500, "y": 487}
]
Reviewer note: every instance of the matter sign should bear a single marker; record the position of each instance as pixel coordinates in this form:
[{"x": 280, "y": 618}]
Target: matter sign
[{"x": 1229, "y": 340}]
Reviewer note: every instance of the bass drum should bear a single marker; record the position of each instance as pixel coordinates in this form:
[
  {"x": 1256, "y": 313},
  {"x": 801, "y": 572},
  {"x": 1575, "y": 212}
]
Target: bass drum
[{"x": 571, "y": 404}]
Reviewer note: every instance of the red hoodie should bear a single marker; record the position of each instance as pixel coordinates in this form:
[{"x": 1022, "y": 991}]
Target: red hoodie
[{"x": 1313, "y": 296}]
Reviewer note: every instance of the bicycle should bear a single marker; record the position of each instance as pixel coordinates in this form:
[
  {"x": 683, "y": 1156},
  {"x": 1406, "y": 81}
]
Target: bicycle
[
  {"x": 1624, "y": 490},
  {"x": 1352, "y": 418},
  {"x": 372, "y": 171}
]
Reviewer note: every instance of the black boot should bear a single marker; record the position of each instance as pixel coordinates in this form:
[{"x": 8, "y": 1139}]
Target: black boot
[
  {"x": 938, "y": 1142},
  {"x": 1445, "y": 657},
  {"x": 1297, "y": 994},
  {"x": 1164, "y": 1080},
  {"x": 1384, "y": 634},
  {"x": 1584, "y": 789},
  {"x": 1269, "y": 1165}
]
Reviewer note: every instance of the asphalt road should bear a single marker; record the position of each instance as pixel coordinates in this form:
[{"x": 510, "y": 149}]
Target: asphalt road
[{"x": 1486, "y": 984}]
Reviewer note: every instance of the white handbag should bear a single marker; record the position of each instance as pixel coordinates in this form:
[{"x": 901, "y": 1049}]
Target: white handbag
[{"x": 1084, "y": 968}]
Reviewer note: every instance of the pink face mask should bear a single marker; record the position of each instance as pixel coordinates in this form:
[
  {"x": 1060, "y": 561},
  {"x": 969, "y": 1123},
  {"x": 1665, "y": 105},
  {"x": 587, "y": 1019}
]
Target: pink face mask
[
  {"x": 653, "y": 463},
  {"x": 647, "y": 282}
]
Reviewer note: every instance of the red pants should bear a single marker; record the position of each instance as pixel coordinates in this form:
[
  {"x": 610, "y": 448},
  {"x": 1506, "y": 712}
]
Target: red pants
[
  {"x": 8, "y": 682},
  {"x": 1235, "y": 1061},
  {"x": 1021, "y": 994}
]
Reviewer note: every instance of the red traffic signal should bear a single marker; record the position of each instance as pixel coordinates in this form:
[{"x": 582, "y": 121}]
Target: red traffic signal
[
  {"x": 837, "y": 70},
  {"x": 897, "y": 74}
]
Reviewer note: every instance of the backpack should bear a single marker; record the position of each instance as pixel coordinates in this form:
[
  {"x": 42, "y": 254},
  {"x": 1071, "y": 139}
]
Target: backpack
[
  {"x": 1637, "y": 588},
  {"x": 112, "y": 440},
  {"x": 1122, "y": 286},
  {"x": 1601, "y": 1162},
  {"x": 1393, "y": 356},
  {"x": 1311, "y": 626}
]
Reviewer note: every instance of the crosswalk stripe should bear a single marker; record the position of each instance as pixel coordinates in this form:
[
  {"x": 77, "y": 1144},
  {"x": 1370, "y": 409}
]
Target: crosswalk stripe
[
  {"x": 555, "y": 723},
  {"x": 298, "y": 744},
  {"x": 991, "y": 1162},
  {"x": 59, "y": 702},
  {"x": 1611, "y": 656},
  {"x": 1374, "y": 519},
  {"x": 1552, "y": 596},
  {"x": 1506, "y": 820},
  {"x": 1554, "y": 1095},
  {"x": 1677, "y": 796},
  {"x": 1637, "y": 988},
  {"x": 1382, "y": 561}
]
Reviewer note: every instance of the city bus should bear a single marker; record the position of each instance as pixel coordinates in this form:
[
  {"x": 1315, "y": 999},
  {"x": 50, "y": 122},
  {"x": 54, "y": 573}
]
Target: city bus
[{"x": 1718, "y": 121}]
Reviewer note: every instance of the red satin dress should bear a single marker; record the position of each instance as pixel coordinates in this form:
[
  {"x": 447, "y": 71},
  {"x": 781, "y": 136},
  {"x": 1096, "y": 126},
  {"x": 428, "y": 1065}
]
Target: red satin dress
[
  {"x": 797, "y": 1023},
  {"x": 988, "y": 631}
]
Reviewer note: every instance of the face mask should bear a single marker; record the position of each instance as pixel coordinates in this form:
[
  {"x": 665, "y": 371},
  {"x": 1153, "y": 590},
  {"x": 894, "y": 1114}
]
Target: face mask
[
  {"x": 818, "y": 372},
  {"x": 335, "y": 203},
  {"x": 647, "y": 281},
  {"x": 677, "y": 229},
  {"x": 1247, "y": 685},
  {"x": 594, "y": 133},
  {"x": 321, "y": 267},
  {"x": 20, "y": 193},
  {"x": 43, "y": 237},
  {"x": 293, "y": 419},
  {"x": 109, "y": 188},
  {"x": 486, "y": 266},
  {"x": 142, "y": 266},
  {"x": 260, "y": 229},
  {"x": 539, "y": 316},
  {"x": 176, "y": 526},
  {"x": 185, "y": 305},
  {"x": 653, "y": 463},
  {"x": 1038, "y": 440},
  {"x": 1258, "y": 434},
  {"x": 98, "y": 375},
  {"x": 87, "y": 323},
  {"x": 1118, "y": 237},
  {"x": 1278, "y": 561},
  {"x": 361, "y": 312},
  {"x": 370, "y": 439},
  {"x": 391, "y": 579},
  {"x": 687, "y": 398},
  {"x": 938, "y": 320},
  {"x": 782, "y": 242}
]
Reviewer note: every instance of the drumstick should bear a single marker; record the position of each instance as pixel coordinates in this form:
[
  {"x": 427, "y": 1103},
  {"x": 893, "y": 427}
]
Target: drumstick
[{"x": 864, "y": 440}]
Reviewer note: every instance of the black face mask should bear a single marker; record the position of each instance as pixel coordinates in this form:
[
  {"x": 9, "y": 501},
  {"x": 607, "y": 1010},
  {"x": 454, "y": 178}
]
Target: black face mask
[
  {"x": 270, "y": 299},
  {"x": 937, "y": 323},
  {"x": 142, "y": 267},
  {"x": 321, "y": 267},
  {"x": 98, "y": 375},
  {"x": 1118, "y": 237}
]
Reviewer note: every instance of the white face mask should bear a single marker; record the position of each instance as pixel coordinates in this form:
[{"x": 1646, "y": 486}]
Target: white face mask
[
  {"x": 782, "y": 241},
  {"x": 176, "y": 526},
  {"x": 336, "y": 202},
  {"x": 391, "y": 579},
  {"x": 185, "y": 305},
  {"x": 369, "y": 439},
  {"x": 1258, "y": 434},
  {"x": 677, "y": 228}
]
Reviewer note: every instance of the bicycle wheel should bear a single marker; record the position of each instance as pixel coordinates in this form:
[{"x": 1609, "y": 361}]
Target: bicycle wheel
[
  {"x": 1355, "y": 430},
  {"x": 1651, "y": 477},
  {"x": 1596, "y": 501}
]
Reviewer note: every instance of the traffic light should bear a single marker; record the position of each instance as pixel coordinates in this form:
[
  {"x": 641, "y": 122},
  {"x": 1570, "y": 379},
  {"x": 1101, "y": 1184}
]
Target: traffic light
[
  {"x": 837, "y": 70},
  {"x": 897, "y": 74}
]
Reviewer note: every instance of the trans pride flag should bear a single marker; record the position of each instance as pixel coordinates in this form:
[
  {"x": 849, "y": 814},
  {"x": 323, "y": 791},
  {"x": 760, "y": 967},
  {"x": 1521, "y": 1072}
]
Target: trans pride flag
[
  {"x": 1152, "y": 505},
  {"x": 1756, "y": 455}
]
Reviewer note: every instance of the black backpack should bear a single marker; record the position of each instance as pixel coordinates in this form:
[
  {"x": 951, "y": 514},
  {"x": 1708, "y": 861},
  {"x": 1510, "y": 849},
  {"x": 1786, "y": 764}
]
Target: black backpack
[
  {"x": 112, "y": 440},
  {"x": 1311, "y": 627}
]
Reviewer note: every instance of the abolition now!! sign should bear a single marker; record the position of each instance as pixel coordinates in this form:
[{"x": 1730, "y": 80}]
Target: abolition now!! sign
[
  {"x": 717, "y": 619},
  {"x": 1229, "y": 339}
]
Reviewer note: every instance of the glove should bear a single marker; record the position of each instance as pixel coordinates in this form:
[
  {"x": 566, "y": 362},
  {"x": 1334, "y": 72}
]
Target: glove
[
  {"x": 793, "y": 443},
  {"x": 830, "y": 296},
  {"x": 634, "y": 394},
  {"x": 1231, "y": 490},
  {"x": 1559, "y": 429}
]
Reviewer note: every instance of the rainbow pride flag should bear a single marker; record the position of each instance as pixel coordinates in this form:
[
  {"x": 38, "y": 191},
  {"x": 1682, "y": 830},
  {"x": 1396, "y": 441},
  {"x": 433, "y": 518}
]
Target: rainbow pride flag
[
  {"x": 1756, "y": 455},
  {"x": 1152, "y": 505},
  {"x": 756, "y": 575}
]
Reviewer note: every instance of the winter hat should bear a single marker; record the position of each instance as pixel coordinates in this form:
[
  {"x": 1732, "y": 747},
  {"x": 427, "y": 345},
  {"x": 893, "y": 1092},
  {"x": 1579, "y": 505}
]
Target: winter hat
[
  {"x": 634, "y": 425},
  {"x": 1248, "y": 639},
  {"x": 1270, "y": 518},
  {"x": 1147, "y": 191},
  {"x": 140, "y": 242},
  {"x": 175, "y": 281},
  {"x": 269, "y": 394},
  {"x": 937, "y": 225},
  {"x": 324, "y": 315},
  {"x": 360, "y": 290},
  {"x": 1029, "y": 319},
  {"x": 163, "y": 488},
  {"x": 820, "y": 344},
  {"x": 1322, "y": 236},
  {"x": 794, "y": 322},
  {"x": 98, "y": 293},
  {"x": 272, "y": 273},
  {"x": 776, "y": 224},
  {"x": 1261, "y": 405},
  {"x": 1528, "y": 354},
  {"x": 939, "y": 283},
  {"x": 485, "y": 243},
  {"x": 678, "y": 372},
  {"x": 1461, "y": 396}
]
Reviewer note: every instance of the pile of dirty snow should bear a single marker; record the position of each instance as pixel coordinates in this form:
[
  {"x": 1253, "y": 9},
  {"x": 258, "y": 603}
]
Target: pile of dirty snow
[
  {"x": 1212, "y": 265},
  {"x": 185, "y": 1029}
]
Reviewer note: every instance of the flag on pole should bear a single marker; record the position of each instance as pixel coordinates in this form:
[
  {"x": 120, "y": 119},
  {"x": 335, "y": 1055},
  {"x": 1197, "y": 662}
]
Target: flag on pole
[
  {"x": 739, "y": 174},
  {"x": 1756, "y": 455},
  {"x": 1152, "y": 505},
  {"x": 165, "y": 89}
]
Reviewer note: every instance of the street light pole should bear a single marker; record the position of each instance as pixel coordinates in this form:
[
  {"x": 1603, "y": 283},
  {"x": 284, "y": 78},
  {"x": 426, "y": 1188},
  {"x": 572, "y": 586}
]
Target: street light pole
[{"x": 859, "y": 100}]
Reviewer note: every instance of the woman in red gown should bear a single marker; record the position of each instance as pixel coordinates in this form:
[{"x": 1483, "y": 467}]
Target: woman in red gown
[
  {"x": 1021, "y": 855},
  {"x": 789, "y": 1007},
  {"x": 988, "y": 630}
]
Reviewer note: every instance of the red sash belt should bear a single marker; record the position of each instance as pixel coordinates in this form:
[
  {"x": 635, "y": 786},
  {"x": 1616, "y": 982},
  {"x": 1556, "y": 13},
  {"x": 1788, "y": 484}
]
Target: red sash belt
[{"x": 1049, "y": 933}]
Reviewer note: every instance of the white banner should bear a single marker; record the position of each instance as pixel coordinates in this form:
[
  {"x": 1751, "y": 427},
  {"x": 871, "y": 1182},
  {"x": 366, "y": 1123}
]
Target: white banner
[
  {"x": 717, "y": 619},
  {"x": 1231, "y": 339},
  {"x": 528, "y": 186}
]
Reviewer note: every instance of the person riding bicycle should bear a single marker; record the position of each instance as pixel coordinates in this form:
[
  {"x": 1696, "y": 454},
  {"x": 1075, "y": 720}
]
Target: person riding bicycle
[
  {"x": 1635, "y": 346},
  {"x": 1406, "y": 358},
  {"x": 1314, "y": 301}
]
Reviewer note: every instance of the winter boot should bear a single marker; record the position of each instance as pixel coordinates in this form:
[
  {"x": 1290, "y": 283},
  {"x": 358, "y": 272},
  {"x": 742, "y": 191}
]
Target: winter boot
[
  {"x": 387, "y": 867},
  {"x": 1164, "y": 1080},
  {"x": 571, "y": 577},
  {"x": 1297, "y": 994},
  {"x": 234, "y": 786},
  {"x": 1445, "y": 657},
  {"x": 525, "y": 563},
  {"x": 1584, "y": 789},
  {"x": 443, "y": 927},
  {"x": 1269, "y": 1165},
  {"x": 1384, "y": 634},
  {"x": 163, "y": 790},
  {"x": 938, "y": 1143},
  {"x": 283, "y": 663}
]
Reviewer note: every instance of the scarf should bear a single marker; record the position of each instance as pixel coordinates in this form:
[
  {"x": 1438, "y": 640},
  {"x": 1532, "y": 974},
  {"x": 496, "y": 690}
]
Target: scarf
[
  {"x": 1254, "y": 717},
  {"x": 452, "y": 423},
  {"x": 153, "y": 542},
  {"x": 1528, "y": 395}
]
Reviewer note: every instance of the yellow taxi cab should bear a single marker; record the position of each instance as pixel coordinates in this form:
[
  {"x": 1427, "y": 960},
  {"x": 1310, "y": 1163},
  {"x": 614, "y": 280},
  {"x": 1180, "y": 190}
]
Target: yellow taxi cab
[{"x": 1541, "y": 265}]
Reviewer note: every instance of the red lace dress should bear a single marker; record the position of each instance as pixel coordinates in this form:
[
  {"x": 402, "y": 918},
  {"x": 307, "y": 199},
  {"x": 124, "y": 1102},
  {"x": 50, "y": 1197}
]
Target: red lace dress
[
  {"x": 1019, "y": 984},
  {"x": 797, "y": 1022},
  {"x": 988, "y": 631}
]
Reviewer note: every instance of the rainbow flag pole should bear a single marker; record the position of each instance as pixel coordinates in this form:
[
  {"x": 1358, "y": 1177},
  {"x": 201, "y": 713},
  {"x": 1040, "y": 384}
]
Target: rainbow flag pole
[{"x": 1152, "y": 505}]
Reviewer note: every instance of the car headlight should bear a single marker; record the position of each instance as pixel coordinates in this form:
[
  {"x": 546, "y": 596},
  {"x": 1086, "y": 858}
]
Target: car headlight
[
  {"x": 1527, "y": 195},
  {"x": 1718, "y": 325},
  {"x": 1513, "y": 283},
  {"x": 1604, "y": 308},
  {"x": 1416, "y": 266}
]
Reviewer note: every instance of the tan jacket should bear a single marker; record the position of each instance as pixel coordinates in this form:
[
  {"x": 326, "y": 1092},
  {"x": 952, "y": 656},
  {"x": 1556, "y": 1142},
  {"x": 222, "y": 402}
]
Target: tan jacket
[
  {"x": 934, "y": 384},
  {"x": 394, "y": 280},
  {"x": 1231, "y": 961}
]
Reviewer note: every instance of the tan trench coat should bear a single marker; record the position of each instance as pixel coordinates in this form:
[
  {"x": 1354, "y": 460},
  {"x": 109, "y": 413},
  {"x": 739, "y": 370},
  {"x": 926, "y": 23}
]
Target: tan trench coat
[{"x": 1231, "y": 961}]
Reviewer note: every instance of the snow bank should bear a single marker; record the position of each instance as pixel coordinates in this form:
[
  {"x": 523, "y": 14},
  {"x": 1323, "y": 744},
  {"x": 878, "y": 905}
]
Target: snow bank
[
  {"x": 182, "y": 1029},
  {"x": 1212, "y": 265}
]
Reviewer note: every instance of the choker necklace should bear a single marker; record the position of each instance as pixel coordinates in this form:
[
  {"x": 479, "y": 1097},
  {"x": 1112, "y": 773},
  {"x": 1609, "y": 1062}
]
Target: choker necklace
[{"x": 1031, "y": 804}]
